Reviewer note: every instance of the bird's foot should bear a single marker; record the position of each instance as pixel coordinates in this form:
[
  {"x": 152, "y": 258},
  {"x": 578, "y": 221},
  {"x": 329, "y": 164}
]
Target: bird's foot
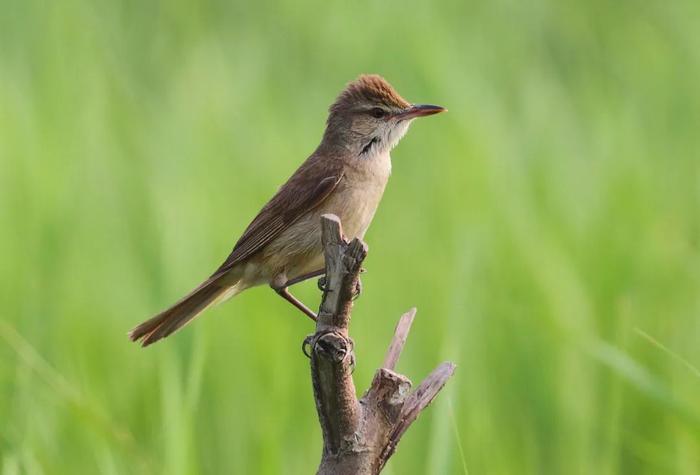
[
  {"x": 309, "y": 343},
  {"x": 358, "y": 289},
  {"x": 351, "y": 355}
]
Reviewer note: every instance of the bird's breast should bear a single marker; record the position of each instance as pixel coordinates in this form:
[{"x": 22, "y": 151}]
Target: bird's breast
[
  {"x": 297, "y": 250},
  {"x": 359, "y": 195}
]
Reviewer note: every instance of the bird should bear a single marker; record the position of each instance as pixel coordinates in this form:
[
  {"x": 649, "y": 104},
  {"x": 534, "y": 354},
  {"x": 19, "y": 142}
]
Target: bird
[{"x": 346, "y": 176}]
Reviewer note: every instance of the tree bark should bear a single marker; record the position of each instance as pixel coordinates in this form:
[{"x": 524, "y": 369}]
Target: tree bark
[{"x": 359, "y": 436}]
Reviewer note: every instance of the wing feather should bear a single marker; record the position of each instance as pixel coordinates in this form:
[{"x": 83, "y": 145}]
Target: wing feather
[{"x": 307, "y": 188}]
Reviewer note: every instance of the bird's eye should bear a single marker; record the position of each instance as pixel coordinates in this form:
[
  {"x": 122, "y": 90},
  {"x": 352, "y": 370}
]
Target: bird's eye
[{"x": 377, "y": 112}]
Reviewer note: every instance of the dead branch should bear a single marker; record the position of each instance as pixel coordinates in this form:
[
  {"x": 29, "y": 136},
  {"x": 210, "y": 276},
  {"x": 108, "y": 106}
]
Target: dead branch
[{"x": 359, "y": 436}]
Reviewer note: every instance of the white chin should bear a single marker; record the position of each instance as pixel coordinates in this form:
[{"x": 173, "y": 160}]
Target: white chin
[{"x": 397, "y": 132}]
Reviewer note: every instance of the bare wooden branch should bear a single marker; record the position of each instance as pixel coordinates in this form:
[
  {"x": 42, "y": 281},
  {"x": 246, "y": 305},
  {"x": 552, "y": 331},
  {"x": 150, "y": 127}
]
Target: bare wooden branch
[
  {"x": 332, "y": 355},
  {"x": 359, "y": 436},
  {"x": 414, "y": 404},
  {"x": 399, "y": 340}
]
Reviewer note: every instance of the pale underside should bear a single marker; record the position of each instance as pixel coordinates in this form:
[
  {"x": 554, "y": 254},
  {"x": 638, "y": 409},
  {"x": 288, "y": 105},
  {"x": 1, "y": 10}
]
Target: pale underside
[{"x": 297, "y": 250}]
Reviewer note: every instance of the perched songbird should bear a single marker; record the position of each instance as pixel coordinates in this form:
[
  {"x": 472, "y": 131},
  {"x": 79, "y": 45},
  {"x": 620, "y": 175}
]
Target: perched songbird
[{"x": 345, "y": 176}]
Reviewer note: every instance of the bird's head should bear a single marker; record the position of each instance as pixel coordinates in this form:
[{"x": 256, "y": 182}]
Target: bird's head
[{"x": 369, "y": 117}]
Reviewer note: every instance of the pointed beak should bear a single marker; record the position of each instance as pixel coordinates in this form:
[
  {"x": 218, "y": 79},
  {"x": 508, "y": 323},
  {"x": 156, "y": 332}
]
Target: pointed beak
[{"x": 419, "y": 110}]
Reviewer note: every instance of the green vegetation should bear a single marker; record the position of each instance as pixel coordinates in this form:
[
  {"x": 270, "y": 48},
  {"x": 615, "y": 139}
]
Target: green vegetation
[{"x": 554, "y": 214}]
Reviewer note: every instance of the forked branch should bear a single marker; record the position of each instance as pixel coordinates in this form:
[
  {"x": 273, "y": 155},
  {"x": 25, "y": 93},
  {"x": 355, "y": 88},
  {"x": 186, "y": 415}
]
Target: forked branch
[{"x": 359, "y": 436}]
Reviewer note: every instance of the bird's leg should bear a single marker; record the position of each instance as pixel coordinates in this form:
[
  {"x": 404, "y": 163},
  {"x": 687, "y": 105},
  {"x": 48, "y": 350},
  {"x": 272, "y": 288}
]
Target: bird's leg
[
  {"x": 281, "y": 290},
  {"x": 285, "y": 294},
  {"x": 322, "y": 281},
  {"x": 310, "y": 275},
  {"x": 304, "y": 277}
]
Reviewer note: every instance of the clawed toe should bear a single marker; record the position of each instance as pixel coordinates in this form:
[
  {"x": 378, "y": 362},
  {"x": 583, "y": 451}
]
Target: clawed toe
[
  {"x": 306, "y": 346},
  {"x": 358, "y": 289}
]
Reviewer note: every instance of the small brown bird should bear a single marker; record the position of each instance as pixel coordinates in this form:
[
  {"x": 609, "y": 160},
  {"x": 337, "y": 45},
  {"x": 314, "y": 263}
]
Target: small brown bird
[{"x": 346, "y": 176}]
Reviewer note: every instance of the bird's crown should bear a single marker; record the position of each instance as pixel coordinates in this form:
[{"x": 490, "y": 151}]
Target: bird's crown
[{"x": 372, "y": 89}]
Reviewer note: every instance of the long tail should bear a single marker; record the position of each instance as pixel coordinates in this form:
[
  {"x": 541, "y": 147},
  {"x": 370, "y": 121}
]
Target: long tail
[{"x": 207, "y": 294}]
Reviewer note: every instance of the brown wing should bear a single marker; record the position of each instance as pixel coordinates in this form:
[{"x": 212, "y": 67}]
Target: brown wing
[{"x": 305, "y": 190}]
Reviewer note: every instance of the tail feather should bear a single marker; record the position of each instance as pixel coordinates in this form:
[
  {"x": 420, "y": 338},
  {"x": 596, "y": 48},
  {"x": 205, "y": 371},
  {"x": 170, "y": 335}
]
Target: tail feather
[{"x": 177, "y": 316}]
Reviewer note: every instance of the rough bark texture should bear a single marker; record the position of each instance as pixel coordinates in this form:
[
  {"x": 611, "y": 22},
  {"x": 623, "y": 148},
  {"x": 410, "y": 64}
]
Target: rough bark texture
[{"x": 359, "y": 436}]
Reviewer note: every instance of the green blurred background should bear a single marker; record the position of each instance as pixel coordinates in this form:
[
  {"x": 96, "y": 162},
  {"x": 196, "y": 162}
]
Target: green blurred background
[{"x": 547, "y": 228}]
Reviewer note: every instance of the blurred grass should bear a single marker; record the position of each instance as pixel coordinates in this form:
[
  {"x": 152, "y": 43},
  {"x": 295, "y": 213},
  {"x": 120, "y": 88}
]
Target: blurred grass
[{"x": 554, "y": 214}]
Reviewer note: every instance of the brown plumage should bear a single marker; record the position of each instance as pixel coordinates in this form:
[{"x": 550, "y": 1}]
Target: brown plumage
[
  {"x": 369, "y": 88},
  {"x": 346, "y": 176}
]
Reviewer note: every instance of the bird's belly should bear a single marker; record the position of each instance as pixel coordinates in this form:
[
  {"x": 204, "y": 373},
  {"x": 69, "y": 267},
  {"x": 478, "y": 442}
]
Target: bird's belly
[{"x": 298, "y": 250}]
